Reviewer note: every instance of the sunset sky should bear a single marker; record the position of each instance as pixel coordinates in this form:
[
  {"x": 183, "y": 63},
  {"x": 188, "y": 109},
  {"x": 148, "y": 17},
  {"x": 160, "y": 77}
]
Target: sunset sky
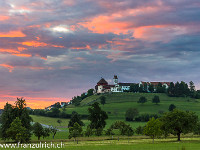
[{"x": 52, "y": 50}]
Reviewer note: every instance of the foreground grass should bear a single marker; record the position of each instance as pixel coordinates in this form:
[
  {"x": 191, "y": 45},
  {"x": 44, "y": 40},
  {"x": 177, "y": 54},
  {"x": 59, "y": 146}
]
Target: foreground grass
[{"x": 133, "y": 144}]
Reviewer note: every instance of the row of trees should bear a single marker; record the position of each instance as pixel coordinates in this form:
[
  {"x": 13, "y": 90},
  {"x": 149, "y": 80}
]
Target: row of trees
[
  {"x": 96, "y": 117},
  {"x": 178, "y": 89},
  {"x": 176, "y": 122},
  {"x": 16, "y": 122},
  {"x": 76, "y": 100}
]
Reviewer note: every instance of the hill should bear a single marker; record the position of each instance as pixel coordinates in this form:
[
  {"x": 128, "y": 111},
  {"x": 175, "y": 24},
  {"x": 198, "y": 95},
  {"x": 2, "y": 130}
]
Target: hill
[{"x": 117, "y": 103}]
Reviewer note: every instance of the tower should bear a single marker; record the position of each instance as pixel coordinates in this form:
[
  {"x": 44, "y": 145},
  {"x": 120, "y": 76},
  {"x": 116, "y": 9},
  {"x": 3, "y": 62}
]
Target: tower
[{"x": 115, "y": 79}]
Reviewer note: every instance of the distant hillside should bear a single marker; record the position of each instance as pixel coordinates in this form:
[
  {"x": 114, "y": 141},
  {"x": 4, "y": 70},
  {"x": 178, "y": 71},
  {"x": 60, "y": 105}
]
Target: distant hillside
[{"x": 117, "y": 104}]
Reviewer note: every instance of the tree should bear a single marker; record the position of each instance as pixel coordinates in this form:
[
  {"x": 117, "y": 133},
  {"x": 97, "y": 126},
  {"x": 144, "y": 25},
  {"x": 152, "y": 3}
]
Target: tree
[
  {"x": 59, "y": 121},
  {"x": 53, "y": 131},
  {"x": 145, "y": 87},
  {"x": 75, "y": 118},
  {"x": 97, "y": 116},
  {"x": 134, "y": 88},
  {"x": 17, "y": 132},
  {"x": 55, "y": 112},
  {"x": 142, "y": 100},
  {"x": 192, "y": 87},
  {"x": 156, "y": 99},
  {"x": 75, "y": 131},
  {"x": 38, "y": 130},
  {"x": 7, "y": 118},
  {"x": 171, "y": 89},
  {"x": 153, "y": 128},
  {"x": 46, "y": 132},
  {"x": 123, "y": 127},
  {"x": 88, "y": 131},
  {"x": 160, "y": 88},
  {"x": 90, "y": 92},
  {"x": 141, "y": 88},
  {"x": 151, "y": 88},
  {"x": 177, "y": 122},
  {"x": 12, "y": 112},
  {"x": 131, "y": 113},
  {"x": 103, "y": 100},
  {"x": 139, "y": 130},
  {"x": 171, "y": 107}
]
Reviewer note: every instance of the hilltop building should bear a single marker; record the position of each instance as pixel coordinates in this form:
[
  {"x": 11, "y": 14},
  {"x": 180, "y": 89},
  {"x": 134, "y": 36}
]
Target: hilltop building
[{"x": 103, "y": 86}]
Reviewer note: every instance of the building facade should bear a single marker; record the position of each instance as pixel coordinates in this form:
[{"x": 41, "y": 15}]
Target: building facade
[{"x": 103, "y": 86}]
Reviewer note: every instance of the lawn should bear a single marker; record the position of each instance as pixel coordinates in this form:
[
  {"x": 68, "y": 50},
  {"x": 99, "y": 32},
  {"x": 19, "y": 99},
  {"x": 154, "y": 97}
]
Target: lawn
[{"x": 132, "y": 144}]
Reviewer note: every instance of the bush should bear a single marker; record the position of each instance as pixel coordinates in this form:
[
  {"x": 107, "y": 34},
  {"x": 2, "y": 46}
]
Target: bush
[
  {"x": 131, "y": 113},
  {"x": 142, "y": 100},
  {"x": 146, "y": 117},
  {"x": 139, "y": 130},
  {"x": 171, "y": 107}
]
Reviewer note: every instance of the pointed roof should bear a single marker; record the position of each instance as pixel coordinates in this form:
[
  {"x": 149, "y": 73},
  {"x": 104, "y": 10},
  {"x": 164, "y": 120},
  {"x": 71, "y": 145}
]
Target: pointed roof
[
  {"x": 115, "y": 77},
  {"x": 102, "y": 81}
]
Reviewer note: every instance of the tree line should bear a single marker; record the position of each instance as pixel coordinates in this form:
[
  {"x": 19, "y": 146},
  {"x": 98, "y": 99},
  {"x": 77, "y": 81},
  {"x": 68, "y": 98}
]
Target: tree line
[{"x": 178, "y": 89}]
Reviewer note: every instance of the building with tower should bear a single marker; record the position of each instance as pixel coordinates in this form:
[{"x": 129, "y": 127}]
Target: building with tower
[{"x": 103, "y": 86}]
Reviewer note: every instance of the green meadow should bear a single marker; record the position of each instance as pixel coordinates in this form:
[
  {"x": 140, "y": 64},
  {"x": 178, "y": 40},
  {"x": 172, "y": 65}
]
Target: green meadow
[{"x": 116, "y": 106}]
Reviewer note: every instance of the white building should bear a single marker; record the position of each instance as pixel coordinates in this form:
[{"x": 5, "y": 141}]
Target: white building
[{"x": 103, "y": 86}]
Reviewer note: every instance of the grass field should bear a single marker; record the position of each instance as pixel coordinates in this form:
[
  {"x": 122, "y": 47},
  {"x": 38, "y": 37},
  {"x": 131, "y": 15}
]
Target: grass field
[
  {"x": 132, "y": 144},
  {"x": 117, "y": 104}
]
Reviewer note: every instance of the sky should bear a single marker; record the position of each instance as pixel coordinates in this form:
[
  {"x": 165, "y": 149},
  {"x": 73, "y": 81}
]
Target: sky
[{"x": 52, "y": 50}]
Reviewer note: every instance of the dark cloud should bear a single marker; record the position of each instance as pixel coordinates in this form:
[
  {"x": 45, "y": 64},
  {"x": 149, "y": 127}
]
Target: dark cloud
[{"x": 58, "y": 48}]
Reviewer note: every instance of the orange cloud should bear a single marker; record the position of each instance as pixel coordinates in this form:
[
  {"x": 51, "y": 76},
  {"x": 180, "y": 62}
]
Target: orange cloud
[
  {"x": 34, "y": 44},
  {"x": 12, "y": 34},
  {"x": 9, "y": 67},
  {"x": 106, "y": 24},
  {"x": 39, "y": 44},
  {"x": 84, "y": 47},
  {"x": 2, "y": 18},
  {"x": 9, "y": 51},
  {"x": 80, "y": 58},
  {"x": 23, "y": 55}
]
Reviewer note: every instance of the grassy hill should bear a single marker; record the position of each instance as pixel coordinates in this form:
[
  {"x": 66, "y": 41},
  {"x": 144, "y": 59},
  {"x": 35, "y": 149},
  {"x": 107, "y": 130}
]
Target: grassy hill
[{"x": 117, "y": 104}]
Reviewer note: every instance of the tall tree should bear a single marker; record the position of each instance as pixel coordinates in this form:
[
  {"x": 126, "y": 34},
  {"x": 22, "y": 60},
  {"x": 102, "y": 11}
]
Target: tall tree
[
  {"x": 178, "y": 122},
  {"x": 75, "y": 117},
  {"x": 11, "y": 112},
  {"x": 153, "y": 128},
  {"x": 38, "y": 130},
  {"x": 151, "y": 88},
  {"x": 97, "y": 116},
  {"x": 103, "y": 100},
  {"x": 192, "y": 87},
  {"x": 141, "y": 88},
  {"x": 7, "y": 118},
  {"x": 17, "y": 132},
  {"x": 156, "y": 99},
  {"x": 22, "y": 112},
  {"x": 171, "y": 89},
  {"x": 131, "y": 113},
  {"x": 145, "y": 87},
  {"x": 75, "y": 131}
]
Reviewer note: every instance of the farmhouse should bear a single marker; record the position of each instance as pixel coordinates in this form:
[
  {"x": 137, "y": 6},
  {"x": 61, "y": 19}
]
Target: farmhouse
[{"x": 103, "y": 86}]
